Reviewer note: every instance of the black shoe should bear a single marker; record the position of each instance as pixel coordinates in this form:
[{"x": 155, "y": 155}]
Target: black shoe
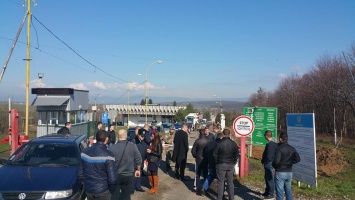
[
  {"x": 268, "y": 197},
  {"x": 198, "y": 193},
  {"x": 132, "y": 192},
  {"x": 183, "y": 179},
  {"x": 140, "y": 190}
]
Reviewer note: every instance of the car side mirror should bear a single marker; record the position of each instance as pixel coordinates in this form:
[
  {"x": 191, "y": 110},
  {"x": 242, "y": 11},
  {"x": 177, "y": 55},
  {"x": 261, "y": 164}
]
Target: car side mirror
[{"x": 2, "y": 161}]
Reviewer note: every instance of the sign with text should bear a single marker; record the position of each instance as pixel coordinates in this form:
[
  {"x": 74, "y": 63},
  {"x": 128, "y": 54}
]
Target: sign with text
[
  {"x": 265, "y": 118},
  {"x": 243, "y": 126},
  {"x": 301, "y": 135},
  {"x": 105, "y": 118}
]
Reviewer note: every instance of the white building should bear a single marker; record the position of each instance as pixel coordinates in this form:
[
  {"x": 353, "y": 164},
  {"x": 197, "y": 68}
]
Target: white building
[{"x": 134, "y": 115}]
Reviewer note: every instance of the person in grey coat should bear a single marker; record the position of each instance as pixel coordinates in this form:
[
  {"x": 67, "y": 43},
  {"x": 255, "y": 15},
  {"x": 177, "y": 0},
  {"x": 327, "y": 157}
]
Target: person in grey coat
[{"x": 128, "y": 163}]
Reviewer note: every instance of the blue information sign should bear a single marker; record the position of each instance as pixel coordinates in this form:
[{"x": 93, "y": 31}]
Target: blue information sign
[{"x": 105, "y": 118}]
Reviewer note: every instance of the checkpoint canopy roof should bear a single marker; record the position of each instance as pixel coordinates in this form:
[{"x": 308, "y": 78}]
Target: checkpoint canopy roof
[{"x": 50, "y": 100}]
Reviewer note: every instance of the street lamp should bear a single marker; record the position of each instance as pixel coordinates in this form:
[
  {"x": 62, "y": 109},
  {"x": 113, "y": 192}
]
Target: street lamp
[
  {"x": 128, "y": 91},
  {"x": 95, "y": 108},
  {"x": 40, "y": 76},
  {"x": 220, "y": 103},
  {"x": 146, "y": 89}
]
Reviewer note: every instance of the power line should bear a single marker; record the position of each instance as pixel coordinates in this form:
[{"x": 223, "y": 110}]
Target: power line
[
  {"x": 57, "y": 57},
  {"x": 87, "y": 61}
]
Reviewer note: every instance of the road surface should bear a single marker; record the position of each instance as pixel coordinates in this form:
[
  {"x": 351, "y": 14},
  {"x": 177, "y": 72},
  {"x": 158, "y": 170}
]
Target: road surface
[{"x": 172, "y": 189}]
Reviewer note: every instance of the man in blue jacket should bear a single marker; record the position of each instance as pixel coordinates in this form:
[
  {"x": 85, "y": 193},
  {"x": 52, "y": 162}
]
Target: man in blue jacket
[
  {"x": 267, "y": 159},
  {"x": 97, "y": 169}
]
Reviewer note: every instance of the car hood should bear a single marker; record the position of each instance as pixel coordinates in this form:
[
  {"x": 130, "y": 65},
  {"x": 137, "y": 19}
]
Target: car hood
[{"x": 29, "y": 178}]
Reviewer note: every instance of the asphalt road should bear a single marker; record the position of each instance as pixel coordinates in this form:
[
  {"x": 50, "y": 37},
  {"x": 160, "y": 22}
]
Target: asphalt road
[{"x": 172, "y": 189}]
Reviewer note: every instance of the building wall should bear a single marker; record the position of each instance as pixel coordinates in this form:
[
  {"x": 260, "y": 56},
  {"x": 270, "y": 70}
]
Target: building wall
[{"x": 79, "y": 101}]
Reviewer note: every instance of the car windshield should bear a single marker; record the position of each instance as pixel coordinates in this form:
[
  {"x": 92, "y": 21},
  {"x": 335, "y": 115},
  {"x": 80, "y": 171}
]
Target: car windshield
[
  {"x": 167, "y": 125},
  {"x": 48, "y": 154}
]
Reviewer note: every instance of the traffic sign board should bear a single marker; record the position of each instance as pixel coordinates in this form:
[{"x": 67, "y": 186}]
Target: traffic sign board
[
  {"x": 243, "y": 126},
  {"x": 265, "y": 118}
]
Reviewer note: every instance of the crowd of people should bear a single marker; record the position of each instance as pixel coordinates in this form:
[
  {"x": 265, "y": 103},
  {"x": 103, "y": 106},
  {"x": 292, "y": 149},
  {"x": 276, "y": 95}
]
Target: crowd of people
[{"x": 113, "y": 167}]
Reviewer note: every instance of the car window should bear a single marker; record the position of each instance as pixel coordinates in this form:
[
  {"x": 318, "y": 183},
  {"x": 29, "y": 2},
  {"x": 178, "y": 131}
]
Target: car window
[
  {"x": 83, "y": 144},
  {"x": 166, "y": 125},
  {"x": 51, "y": 153}
]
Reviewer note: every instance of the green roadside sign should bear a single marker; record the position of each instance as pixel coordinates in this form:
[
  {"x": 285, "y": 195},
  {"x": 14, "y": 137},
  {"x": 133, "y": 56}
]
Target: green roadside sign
[{"x": 265, "y": 118}]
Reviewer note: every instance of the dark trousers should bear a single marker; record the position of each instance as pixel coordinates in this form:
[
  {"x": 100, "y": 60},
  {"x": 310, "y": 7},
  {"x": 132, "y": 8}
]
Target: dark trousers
[
  {"x": 137, "y": 182},
  {"x": 201, "y": 168},
  {"x": 269, "y": 179},
  {"x": 225, "y": 173},
  {"x": 180, "y": 169},
  {"x": 101, "y": 196},
  {"x": 168, "y": 156},
  {"x": 123, "y": 188}
]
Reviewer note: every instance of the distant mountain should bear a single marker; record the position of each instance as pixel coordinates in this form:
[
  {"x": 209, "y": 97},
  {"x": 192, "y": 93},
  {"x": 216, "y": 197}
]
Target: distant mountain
[
  {"x": 198, "y": 103},
  {"x": 211, "y": 106}
]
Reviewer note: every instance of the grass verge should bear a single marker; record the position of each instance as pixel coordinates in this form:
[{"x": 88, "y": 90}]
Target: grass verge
[{"x": 338, "y": 186}]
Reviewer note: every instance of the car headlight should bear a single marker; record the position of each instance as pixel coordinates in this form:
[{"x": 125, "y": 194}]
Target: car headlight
[{"x": 58, "y": 194}]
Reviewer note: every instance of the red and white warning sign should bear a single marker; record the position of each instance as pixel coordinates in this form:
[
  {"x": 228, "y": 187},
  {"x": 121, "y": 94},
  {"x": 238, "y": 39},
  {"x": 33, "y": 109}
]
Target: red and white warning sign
[{"x": 243, "y": 126}]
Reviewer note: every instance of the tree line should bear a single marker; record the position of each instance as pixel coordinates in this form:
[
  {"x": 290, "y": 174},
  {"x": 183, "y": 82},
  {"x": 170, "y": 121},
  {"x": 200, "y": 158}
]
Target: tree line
[{"x": 328, "y": 90}]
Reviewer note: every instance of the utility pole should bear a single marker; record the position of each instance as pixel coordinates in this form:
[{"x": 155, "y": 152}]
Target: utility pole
[{"x": 28, "y": 59}]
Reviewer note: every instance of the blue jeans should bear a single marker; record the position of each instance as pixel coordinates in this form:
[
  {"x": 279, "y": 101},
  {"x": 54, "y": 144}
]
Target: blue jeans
[
  {"x": 269, "y": 179},
  {"x": 209, "y": 179},
  {"x": 283, "y": 183}
]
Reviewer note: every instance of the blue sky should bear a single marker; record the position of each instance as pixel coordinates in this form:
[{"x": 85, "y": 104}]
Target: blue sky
[{"x": 223, "y": 48}]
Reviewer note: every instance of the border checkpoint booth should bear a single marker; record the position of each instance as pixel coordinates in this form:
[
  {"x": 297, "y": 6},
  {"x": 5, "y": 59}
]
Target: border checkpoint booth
[{"x": 55, "y": 106}]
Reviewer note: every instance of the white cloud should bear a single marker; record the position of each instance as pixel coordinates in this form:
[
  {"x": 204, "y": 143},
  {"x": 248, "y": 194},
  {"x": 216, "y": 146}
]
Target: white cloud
[
  {"x": 282, "y": 75},
  {"x": 296, "y": 69},
  {"x": 98, "y": 85},
  {"x": 78, "y": 86},
  {"x": 33, "y": 84},
  {"x": 135, "y": 86},
  {"x": 153, "y": 87}
]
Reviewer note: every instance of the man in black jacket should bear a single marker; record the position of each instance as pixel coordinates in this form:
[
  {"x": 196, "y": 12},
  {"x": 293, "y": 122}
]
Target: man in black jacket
[
  {"x": 285, "y": 157},
  {"x": 66, "y": 129},
  {"x": 226, "y": 156},
  {"x": 181, "y": 147},
  {"x": 201, "y": 164},
  {"x": 97, "y": 169},
  {"x": 208, "y": 154},
  {"x": 267, "y": 159},
  {"x": 111, "y": 136}
]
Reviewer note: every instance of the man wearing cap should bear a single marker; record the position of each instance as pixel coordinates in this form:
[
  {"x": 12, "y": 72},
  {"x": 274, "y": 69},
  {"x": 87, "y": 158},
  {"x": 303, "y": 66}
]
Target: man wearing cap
[{"x": 168, "y": 139}]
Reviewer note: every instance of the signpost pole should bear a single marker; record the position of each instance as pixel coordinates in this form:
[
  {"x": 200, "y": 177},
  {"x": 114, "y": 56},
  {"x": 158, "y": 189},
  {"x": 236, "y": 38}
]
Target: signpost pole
[
  {"x": 243, "y": 126},
  {"x": 242, "y": 157}
]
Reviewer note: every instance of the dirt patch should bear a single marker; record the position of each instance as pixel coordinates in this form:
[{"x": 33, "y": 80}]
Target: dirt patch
[
  {"x": 258, "y": 152},
  {"x": 330, "y": 160}
]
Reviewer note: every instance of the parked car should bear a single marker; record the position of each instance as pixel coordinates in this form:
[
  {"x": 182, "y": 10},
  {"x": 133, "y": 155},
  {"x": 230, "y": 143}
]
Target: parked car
[
  {"x": 166, "y": 126},
  {"x": 44, "y": 168},
  {"x": 130, "y": 131},
  {"x": 178, "y": 125},
  {"x": 160, "y": 129}
]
